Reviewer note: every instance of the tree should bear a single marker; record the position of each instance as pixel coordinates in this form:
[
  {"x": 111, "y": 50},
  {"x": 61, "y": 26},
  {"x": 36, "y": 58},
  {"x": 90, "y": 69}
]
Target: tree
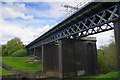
[
  {"x": 12, "y": 46},
  {"x": 101, "y": 61},
  {"x": 0, "y": 50},
  {"x": 107, "y": 61}
]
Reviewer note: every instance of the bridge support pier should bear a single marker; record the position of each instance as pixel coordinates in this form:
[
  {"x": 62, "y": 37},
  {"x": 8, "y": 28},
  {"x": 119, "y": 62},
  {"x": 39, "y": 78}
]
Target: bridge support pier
[
  {"x": 117, "y": 40},
  {"x": 70, "y": 58},
  {"x": 36, "y": 52},
  {"x": 77, "y": 57},
  {"x": 31, "y": 51},
  {"x": 50, "y": 60}
]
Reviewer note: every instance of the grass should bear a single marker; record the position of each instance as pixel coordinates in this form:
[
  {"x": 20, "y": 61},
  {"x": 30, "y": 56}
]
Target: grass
[
  {"x": 22, "y": 64},
  {"x": 0, "y": 58},
  {"x": 4, "y": 72},
  {"x": 108, "y": 76}
]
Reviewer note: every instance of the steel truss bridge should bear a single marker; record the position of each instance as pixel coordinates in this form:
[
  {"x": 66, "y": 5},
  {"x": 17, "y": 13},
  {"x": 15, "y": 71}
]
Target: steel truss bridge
[{"x": 93, "y": 18}]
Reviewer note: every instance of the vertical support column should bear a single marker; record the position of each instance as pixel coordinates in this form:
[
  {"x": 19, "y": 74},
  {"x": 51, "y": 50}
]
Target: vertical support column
[
  {"x": 31, "y": 52},
  {"x": 50, "y": 60},
  {"x": 117, "y": 40},
  {"x": 66, "y": 58},
  {"x": 95, "y": 60},
  {"x": 38, "y": 51},
  {"x": 34, "y": 52},
  {"x": 60, "y": 60},
  {"x": 42, "y": 59}
]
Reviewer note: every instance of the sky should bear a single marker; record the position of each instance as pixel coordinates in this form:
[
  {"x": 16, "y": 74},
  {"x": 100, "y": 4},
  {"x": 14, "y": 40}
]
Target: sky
[{"x": 29, "y": 20}]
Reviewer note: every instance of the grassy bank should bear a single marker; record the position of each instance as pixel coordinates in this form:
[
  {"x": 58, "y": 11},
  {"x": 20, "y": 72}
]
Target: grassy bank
[
  {"x": 22, "y": 64},
  {"x": 5, "y": 72}
]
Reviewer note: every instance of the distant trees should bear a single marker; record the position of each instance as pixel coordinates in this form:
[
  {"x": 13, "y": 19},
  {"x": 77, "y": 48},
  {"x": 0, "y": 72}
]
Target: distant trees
[
  {"x": 0, "y": 50},
  {"x": 12, "y": 46},
  {"x": 107, "y": 61}
]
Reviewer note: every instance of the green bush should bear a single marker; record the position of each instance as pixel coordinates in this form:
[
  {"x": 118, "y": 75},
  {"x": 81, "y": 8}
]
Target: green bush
[
  {"x": 107, "y": 61},
  {"x": 20, "y": 53}
]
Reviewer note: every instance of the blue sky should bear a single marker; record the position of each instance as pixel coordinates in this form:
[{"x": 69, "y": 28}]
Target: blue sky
[
  {"x": 29, "y": 20},
  {"x": 31, "y": 8}
]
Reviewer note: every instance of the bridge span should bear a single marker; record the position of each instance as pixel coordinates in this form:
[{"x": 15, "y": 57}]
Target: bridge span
[{"x": 64, "y": 50}]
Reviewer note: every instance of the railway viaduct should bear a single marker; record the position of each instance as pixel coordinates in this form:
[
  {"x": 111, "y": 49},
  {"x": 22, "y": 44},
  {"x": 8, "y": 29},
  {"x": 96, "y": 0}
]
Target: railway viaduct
[{"x": 66, "y": 51}]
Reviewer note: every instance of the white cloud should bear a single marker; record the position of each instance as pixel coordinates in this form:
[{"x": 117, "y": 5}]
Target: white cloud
[
  {"x": 58, "y": 0},
  {"x": 10, "y": 10},
  {"x": 42, "y": 0},
  {"x": 55, "y": 11},
  {"x": 10, "y": 13},
  {"x": 8, "y": 31},
  {"x": 103, "y": 38}
]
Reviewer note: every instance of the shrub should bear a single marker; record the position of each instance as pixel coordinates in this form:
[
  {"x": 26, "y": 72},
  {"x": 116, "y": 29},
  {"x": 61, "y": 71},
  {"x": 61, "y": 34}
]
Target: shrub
[
  {"x": 107, "y": 61},
  {"x": 20, "y": 53}
]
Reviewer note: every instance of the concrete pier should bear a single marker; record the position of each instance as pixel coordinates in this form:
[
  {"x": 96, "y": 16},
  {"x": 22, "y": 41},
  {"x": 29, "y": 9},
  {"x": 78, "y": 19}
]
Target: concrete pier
[
  {"x": 50, "y": 60},
  {"x": 70, "y": 58},
  {"x": 36, "y": 52},
  {"x": 77, "y": 57},
  {"x": 117, "y": 40}
]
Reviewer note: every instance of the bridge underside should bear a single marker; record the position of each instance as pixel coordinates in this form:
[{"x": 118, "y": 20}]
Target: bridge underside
[{"x": 69, "y": 58}]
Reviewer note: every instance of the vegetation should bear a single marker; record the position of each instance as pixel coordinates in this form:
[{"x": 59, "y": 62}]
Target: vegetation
[
  {"x": 0, "y": 50},
  {"x": 22, "y": 63},
  {"x": 5, "y": 72},
  {"x": 20, "y": 53},
  {"x": 12, "y": 46},
  {"x": 107, "y": 61},
  {"x": 108, "y": 76}
]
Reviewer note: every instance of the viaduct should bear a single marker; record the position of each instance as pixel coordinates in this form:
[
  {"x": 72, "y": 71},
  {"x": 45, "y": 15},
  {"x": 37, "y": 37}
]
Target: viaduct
[{"x": 66, "y": 51}]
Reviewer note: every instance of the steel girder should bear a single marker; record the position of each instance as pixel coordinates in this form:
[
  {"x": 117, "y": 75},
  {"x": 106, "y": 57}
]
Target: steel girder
[{"x": 95, "y": 24}]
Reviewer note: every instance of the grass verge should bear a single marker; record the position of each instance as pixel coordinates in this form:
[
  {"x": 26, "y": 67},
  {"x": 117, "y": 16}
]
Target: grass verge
[
  {"x": 22, "y": 64},
  {"x": 108, "y": 76}
]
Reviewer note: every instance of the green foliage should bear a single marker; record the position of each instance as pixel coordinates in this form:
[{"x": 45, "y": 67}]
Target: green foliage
[
  {"x": 107, "y": 61},
  {"x": 0, "y": 50},
  {"x": 22, "y": 64},
  {"x": 11, "y": 47},
  {"x": 20, "y": 53},
  {"x": 108, "y": 76},
  {"x": 101, "y": 61}
]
